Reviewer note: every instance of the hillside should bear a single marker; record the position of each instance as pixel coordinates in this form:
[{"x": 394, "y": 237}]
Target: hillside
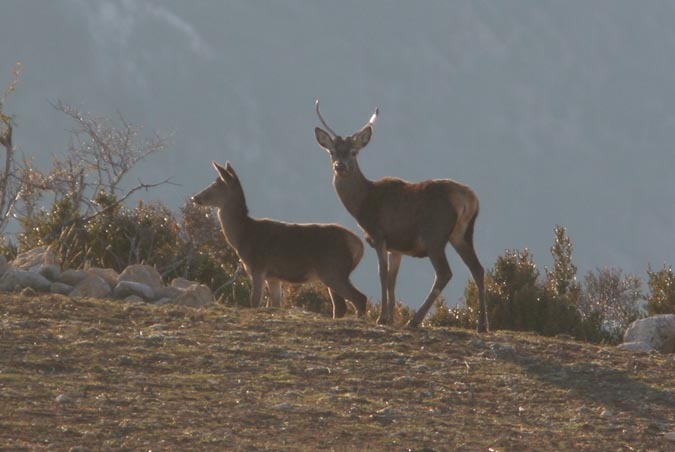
[{"x": 101, "y": 375}]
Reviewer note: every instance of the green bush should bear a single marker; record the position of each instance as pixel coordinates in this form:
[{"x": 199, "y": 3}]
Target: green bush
[{"x": 661, "y": 299}]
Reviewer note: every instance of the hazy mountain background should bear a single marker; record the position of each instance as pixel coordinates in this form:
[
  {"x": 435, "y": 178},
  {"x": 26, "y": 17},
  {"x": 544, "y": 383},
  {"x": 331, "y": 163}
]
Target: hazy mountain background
[{"x": 556, "y": 112}]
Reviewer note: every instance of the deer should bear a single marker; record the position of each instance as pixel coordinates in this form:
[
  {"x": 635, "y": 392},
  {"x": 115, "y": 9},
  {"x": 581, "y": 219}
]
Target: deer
[
  {"x": 273, "y": 252},
  {"x": 404, "y": 218}
]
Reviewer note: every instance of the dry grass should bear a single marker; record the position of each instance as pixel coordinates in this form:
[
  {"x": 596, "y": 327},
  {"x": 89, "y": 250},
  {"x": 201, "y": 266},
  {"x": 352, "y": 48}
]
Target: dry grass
[{"x": 102, "y": 375}]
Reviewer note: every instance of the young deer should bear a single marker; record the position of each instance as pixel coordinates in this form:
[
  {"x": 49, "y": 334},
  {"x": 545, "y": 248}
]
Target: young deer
[
  {"x": 274, "y": 251},
  {"x": 399, "y": 217}
]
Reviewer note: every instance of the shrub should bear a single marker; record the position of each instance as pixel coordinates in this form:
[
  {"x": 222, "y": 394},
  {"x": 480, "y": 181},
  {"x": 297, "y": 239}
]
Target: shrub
[
  {"x": 661, "y": 299},
  {"x": 613, "y": 299}
]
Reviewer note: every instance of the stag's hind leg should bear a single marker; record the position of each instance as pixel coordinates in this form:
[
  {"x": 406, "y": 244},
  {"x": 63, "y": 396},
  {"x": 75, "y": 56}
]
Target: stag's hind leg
[
  {"x": 468, "y": 254},
  {"x": 443, "y": 276}
]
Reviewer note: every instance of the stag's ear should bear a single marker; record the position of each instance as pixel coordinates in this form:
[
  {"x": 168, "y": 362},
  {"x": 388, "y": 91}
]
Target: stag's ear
[
  {"x": 224, "y": 176},
  {"x": 361, "y": 138},
  {"x": 230, "y": 171},
  {"x": 323, "y": 138}
]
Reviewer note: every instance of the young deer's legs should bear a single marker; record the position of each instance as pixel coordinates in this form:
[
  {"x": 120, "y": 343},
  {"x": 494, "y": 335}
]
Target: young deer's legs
[
  {"x": 339, "y": 305},
  {"x": 274, "y": 287},
  {"x": 468, "y": 254},
  {"x": 443, "y": 276},
  {"x": 257, "y": 285},
  {"x": 394, "y": 264},
  {"x": 344, "y": 289}
]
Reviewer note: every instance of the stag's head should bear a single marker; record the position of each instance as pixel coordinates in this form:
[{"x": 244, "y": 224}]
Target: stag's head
[
  {"x": 225, "y": 191},
  {"x": 343, "y": 150}
]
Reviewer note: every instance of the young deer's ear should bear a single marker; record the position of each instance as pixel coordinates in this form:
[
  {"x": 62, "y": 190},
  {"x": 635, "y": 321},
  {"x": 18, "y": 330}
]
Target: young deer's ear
[
  {"x": 361, "y": 138},
  {"x": 323, "y": 138},
  {"x": 221, "y": 171}
]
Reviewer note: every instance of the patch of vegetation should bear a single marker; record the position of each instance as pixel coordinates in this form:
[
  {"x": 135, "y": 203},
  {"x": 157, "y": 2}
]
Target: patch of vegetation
[{"x": 106, "y": 375}]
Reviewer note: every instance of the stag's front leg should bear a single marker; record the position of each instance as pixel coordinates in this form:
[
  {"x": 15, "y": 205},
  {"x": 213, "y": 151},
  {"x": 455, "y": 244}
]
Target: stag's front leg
[
  {"x": 394, "y": 264},
  {"x": 382, "y": 257}
]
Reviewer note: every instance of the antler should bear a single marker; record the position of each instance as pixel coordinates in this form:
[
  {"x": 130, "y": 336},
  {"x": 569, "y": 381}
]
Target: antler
[
  {"x": 372, "y": 119},
  {"x": 323, "y": 121}
]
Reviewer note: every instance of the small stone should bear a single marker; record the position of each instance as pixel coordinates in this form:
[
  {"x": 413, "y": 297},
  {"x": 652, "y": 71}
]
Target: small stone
[
  {"x": 64, "y": 398},
  {"x": 141, "y": 274},
  {"x": 607, "y": 413},
  {"x": 125, "y": 288},
  {"x": 283, "y": 406},
  {"x": 182, "y": 283},
  {"x": 196, "y": 295},
  {"x": 108, "y": 274},
  {"x": 49, "y": 271},
  {"x": 310, "y": 371},
  {"x": 92, "y": 286},
  {"x": 60, "y": 288},
  {"x": 72, "y": 277}
]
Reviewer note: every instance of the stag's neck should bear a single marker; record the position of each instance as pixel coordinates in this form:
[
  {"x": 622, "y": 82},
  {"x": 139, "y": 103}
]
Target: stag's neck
[
  {"x": 353, "y": 190},
  {"x": 235, "y": 223}
]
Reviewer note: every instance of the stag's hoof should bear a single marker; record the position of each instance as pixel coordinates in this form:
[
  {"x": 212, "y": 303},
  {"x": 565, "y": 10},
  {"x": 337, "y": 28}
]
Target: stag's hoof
[
  {"x": 412, "y": 324},
  {"x": 383, "y": 321}
]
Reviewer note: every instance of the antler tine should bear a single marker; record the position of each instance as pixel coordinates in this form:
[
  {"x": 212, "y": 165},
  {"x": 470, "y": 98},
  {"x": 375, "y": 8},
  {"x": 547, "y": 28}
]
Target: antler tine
[
  {"x": 318, "y": 112},
  {"x": 372, "y": 119}
]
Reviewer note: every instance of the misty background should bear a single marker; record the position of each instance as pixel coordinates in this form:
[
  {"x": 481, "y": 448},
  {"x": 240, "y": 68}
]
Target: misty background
[{"x": 554, "y": 112}]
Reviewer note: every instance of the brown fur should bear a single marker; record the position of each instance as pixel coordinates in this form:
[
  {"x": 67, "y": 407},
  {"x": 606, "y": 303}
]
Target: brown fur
[
  {"x": 276, "y": 251},
  {"x": 404, "y": 218}
]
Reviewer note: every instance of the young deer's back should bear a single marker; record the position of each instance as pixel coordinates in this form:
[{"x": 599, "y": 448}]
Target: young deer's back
[{"x": 297, "y": 252}]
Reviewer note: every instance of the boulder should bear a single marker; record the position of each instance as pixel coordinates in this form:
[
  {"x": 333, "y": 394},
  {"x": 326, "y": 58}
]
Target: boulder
[
  {"x": 124, "y": 289},
  {"x": 142, "y": 274},
  {"x": 36, "y": 256},
  {"x": 61, "y": 288},
  {"x": 4, "y": 265},
  {"x": 72, "y": 277},
  {"x": 196, "y": 295},
  {"x": 657, "y": 331},
  {"x": 14, "y": 280},
  {"x": 182, "y": 283},
  {"x": 636, "y": 347},
  {"x": 134, "y": 299},
  {"x": 49, "y": 271},
  {"x": 92, "y": 286},
  {"x": 167, "y": 292},
  {"x": 110, "y": 275}
]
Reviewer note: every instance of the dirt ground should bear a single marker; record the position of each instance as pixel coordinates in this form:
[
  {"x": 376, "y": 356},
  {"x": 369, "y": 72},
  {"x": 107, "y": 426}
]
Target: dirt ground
[{"x": 91, "y": 375}]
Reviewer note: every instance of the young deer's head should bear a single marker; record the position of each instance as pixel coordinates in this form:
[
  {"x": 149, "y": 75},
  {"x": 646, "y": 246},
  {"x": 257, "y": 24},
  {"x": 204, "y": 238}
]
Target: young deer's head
[
  {"x": 343, "y": 150},
  {"x": 224, "y": 192}
]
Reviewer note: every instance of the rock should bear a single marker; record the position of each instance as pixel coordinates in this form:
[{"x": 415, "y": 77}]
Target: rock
[
  {"x": 283, "y": 406},
  {"x": 636, "y": 347},
  {"x": 142, "y": 274},
  {"x": 92, "y": 286},
  {"x": 28, "y": 292},
  {"x": 36, "y": 256},
  {"x": 61, "y": 288},
  {"x": 124, "y": 289},
  {"x": 4, "y": 265},
  {"x": 16, "y": 279},
  {"x": 670, "y": 436},
  {"x": 72, "y": 277},
  {"x": 49, "y": 271},
  {"x": 110, "y": 275},
  {"x": 657, "y": 331},
  {"x": 168, "y": 292},
  {"x": 163, "y": 301},
  {"x": 182, "y": 283},
  {"x": 196, "y": 295},
  {"x": 134, "y": 299}
]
